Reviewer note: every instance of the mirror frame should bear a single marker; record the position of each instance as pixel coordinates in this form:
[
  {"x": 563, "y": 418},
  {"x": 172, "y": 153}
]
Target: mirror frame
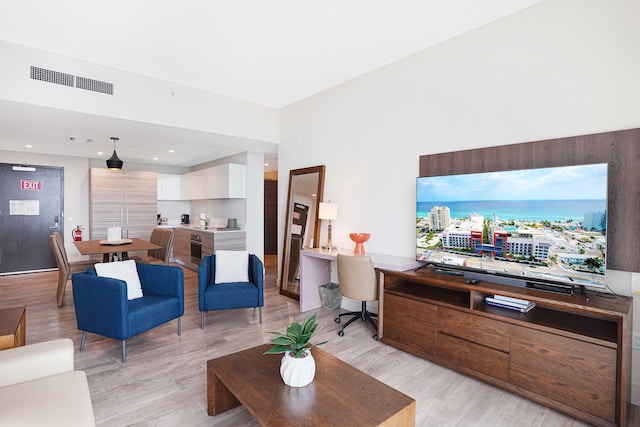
[{"x": 286, "y": 246}]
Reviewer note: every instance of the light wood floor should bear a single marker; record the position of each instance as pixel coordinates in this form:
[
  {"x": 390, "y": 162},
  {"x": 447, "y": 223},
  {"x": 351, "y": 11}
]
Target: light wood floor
[{"x": 163, "y": 382}]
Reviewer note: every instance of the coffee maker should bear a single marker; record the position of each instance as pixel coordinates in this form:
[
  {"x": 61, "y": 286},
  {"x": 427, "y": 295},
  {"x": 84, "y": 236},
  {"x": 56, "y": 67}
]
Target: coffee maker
[{"x": 184, "y": 219}]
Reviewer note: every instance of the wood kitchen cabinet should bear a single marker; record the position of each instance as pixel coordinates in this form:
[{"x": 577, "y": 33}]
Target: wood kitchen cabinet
[
  {"x": 211, "y": 241},
  {"x": 567, "y": 353},
  {"x": 127, "y": 199}
]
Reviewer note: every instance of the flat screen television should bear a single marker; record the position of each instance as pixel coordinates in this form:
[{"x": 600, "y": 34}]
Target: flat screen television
[{"x": 541, "y": 228}]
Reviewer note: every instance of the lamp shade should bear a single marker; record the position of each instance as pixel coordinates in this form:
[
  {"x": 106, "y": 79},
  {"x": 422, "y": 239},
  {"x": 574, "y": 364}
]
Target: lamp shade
[
  {"x": 328, "y": 211},
  {"x": 114, "y": 162}
]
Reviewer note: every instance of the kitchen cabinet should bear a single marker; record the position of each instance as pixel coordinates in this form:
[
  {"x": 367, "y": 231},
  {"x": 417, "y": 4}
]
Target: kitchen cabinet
[
  {"x": 211, "y": 241},
  {"x": 220, "y": 182},
  {"x": 192, "y": 185},
  {"x": 127, "y": 199},
  {"x": 169, "y": 187}
]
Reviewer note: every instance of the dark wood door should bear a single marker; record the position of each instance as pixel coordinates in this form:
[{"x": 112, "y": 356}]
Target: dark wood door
[
  {"x": 32, "y": 205},
  {"x": 270, "y": 217}
]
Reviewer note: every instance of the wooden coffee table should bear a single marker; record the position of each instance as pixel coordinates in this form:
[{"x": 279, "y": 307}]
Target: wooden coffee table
[{"x": 340, "y": 395}]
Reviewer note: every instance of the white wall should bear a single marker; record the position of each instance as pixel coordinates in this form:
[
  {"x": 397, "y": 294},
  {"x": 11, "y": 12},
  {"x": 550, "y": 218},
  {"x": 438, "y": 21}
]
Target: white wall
[
  {"x": 559, "y": 68},
  {"x": 135, "y": 97}
]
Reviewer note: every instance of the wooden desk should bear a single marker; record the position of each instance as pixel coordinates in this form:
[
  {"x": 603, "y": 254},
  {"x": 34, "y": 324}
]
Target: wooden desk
[
  {"x": 12, "y": 327},
  {"x": 340, "y": 395},
  {"x": 93, "y": 247},
  {"x": 315, "y": 270}
]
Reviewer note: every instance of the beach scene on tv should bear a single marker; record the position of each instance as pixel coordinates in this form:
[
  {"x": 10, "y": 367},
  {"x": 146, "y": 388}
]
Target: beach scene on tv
[{"x": 545, "y": 223}]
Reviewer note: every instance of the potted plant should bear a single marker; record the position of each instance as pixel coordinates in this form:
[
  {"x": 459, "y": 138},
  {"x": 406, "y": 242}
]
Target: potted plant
[{"x": 297, "y": 367}]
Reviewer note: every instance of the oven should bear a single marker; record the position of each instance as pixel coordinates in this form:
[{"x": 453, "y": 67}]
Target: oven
[{"x": 196, "y": 248}]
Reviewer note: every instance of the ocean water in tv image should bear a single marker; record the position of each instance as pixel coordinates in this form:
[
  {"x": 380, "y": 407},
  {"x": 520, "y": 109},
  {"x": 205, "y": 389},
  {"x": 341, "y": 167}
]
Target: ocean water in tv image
[{"x": 519, "y": 210}]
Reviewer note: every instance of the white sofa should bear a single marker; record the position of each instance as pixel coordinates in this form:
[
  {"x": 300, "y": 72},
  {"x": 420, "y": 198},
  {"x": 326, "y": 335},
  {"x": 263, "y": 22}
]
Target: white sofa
[{"x": 38, "y": 387}]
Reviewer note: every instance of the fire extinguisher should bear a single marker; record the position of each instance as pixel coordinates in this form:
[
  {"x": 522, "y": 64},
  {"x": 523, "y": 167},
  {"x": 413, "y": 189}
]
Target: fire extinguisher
[{"x": 77, "y": 234}]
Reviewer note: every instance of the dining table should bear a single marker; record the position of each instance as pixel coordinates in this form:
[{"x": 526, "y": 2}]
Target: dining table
[{"x": 114, "y": 250}]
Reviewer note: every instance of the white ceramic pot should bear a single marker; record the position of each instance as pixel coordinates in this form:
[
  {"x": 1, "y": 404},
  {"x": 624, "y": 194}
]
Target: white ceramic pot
[{"x": 297, "y": 372}]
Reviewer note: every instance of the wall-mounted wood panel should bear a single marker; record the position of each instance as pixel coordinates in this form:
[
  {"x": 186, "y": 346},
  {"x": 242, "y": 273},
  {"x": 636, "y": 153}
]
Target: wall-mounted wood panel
[{"x": 620, "y": 149}]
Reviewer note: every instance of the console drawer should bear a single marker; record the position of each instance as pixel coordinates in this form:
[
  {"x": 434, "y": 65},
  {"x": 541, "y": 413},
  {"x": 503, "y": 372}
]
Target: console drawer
[
  {"x": 577, "y": 373},
  {"x": 487, "y": 332},
  {"x": 411, "y": 323},
  {"x": 477, "y": 357}
]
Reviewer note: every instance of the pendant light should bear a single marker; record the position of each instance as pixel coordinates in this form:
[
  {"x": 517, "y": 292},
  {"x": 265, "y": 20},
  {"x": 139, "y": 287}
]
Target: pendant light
[{"x": 114, "y": 163}]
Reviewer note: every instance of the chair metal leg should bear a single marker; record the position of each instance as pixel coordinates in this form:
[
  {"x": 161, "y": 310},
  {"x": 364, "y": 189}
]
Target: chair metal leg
[
  {"x": 260, "y": 314},
  {"x": 124, "y": 351},
  {"x": 179, "y": 326},
  {"x": 202, "y": 320},
  {"x": 84, "y": 337}
]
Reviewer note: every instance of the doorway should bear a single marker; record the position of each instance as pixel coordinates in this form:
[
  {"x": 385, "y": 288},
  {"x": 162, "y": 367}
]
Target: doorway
[{"x": 31, "y": 207}]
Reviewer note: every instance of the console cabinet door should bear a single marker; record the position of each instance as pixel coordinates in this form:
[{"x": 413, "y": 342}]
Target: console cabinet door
[
  {"x": 574, "y": 372},
  {"x": 410, "y": 325}
]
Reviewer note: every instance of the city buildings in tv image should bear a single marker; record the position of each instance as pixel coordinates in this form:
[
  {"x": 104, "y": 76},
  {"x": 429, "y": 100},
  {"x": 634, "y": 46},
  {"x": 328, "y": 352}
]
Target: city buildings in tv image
[{"x": 539, "y": 223}]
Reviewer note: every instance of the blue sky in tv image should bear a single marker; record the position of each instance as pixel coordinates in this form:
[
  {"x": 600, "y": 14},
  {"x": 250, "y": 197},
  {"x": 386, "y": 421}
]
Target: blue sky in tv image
[{"x": 538, "y": 224}]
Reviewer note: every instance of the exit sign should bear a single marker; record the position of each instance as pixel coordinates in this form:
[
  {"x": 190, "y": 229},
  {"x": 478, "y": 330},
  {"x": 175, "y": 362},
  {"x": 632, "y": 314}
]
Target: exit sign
[{"x": 27, "y": 184}]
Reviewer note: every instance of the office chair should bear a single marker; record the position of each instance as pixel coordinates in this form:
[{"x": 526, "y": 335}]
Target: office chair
[{"x": 358, "y": 281}]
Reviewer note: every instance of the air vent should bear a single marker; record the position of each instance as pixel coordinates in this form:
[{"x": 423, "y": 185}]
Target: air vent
[
  {"x": 51, "y": 76},
  {"x": 57, "y": 77},
  {"x": 94, "y": 85}
]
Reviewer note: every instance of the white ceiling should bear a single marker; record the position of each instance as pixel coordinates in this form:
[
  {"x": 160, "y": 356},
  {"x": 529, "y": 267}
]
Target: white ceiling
[{"x": 269, "y": 52}]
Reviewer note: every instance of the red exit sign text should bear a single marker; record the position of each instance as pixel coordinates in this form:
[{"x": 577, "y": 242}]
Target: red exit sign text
[{"x": 27, "y": 184}]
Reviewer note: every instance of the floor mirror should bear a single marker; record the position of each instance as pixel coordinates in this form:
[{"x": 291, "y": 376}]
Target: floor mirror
[{"x": 302, "y": 227}]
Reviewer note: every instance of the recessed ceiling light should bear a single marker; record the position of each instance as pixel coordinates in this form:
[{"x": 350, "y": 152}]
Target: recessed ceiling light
[
  {"x": 155, "y": 158},
  {"x": 266, "y": 164},
  {"x": 28, "y": 145},
  {"x": 100, "y": 153},
  {"x": 172, "y": 151}
]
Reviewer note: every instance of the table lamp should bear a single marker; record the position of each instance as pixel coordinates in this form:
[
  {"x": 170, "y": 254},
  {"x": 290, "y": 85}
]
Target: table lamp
[{"x": 328, "y": 210}]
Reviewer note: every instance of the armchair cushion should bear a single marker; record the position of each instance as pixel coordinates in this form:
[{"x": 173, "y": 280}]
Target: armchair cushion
[
  {"x": 122, "y": 270},
  {"x": 232, "y": 266}
]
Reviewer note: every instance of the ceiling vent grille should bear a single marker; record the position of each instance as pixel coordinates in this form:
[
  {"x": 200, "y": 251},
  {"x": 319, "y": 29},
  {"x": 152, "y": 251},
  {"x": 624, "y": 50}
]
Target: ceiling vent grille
[
  {"x": 57, "y": 77},
  {"x": 94, "y": 85},
  {"x": 51, "y": 76}
]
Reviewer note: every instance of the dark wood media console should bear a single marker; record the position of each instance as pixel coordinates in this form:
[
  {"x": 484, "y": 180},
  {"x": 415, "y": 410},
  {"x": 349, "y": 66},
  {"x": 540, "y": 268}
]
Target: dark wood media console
[{"x": 567, "y": 353}]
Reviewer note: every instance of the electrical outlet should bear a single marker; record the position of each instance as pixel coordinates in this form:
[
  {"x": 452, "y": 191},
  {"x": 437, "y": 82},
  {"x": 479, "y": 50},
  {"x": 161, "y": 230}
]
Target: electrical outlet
[{"x": 635, "y": 343}]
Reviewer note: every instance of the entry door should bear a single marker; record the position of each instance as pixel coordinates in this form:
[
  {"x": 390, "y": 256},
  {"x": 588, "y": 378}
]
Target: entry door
[{"x": 32, "y": 205}]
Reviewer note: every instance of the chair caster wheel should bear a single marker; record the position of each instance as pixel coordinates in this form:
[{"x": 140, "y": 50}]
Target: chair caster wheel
[
  {"x": 375, "y": 337},
  {"x": 340, "y": 333},
  {"x": 337, "y": 320}
]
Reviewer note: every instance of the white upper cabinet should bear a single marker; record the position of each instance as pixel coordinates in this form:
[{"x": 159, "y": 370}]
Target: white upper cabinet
[
  {"x": 169, "y": 187},
  {"x": 220, "y": 182}
]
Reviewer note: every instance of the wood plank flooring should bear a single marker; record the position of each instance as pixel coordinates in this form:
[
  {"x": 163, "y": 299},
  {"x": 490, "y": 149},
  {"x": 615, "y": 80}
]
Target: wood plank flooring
[{"x": 163, "y": 382}]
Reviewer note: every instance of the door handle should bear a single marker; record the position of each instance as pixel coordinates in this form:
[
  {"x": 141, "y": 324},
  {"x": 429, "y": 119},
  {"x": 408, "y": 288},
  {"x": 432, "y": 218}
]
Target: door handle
[{"x": 54, "y": 227}]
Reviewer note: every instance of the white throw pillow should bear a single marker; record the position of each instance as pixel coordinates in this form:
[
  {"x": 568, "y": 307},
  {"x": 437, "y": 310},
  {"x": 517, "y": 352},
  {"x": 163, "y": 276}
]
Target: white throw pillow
[
  {"x": 122, "y": 270},
  {"x": 232, "y": 266}
]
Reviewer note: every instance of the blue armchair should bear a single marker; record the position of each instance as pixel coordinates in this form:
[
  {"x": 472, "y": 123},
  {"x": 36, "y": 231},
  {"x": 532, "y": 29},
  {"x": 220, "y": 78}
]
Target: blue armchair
[
  {"x": 225, "y": 296},
  {"x": 102, "y": 306}
]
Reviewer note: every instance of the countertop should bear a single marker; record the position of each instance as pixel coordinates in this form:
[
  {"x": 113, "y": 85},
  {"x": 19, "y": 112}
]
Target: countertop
[{"x": 191, "y": 227}]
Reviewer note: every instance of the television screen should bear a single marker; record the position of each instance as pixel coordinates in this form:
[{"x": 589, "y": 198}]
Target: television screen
[{"x": 538, "y": 225}]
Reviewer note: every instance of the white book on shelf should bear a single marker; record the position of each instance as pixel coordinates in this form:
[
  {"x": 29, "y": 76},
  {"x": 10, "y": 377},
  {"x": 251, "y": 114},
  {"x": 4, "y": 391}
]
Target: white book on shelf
[
  {"x": 510, "y": 299},
  {"x": 507, "y": 303},
  {"x": 520, "y": 308}
]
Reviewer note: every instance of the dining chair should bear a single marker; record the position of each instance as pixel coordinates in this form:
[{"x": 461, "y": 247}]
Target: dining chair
[
  {"x": 358, "y": 281},
  {"x": 161, "y": 237},
  {"x": 65, "y": 268}
]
